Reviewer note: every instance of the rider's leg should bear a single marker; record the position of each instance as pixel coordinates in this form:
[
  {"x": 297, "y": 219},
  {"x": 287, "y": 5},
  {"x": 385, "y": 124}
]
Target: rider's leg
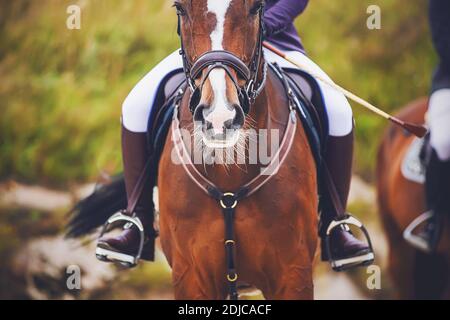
[
  {"x": 438, "y": 166},
  {"x": 138, "y": 104},
  {"x": 135, "y": 114},
  {"x": 438, "y": 118},
  {"x": 339, "y": 155}
]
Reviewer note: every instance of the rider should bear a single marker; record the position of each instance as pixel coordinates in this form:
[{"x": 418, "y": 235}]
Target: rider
[
  {"x": 438, "y": 118},
  {"x": 281, "y": 32}
]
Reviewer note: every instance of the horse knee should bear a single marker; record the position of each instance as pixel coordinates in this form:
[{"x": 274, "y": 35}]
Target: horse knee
[
  {"x": 135, "y": 113},
  {"x": 340, "y": 118}
]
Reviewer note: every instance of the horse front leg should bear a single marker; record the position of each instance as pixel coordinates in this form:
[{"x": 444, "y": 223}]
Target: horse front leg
[
  {"x": 296, "y": 284},
  {"x": 190, "y": 284}
]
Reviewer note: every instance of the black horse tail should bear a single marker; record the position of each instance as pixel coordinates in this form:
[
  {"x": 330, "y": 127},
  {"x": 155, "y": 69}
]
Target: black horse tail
[{"x": 95, "y": 210}]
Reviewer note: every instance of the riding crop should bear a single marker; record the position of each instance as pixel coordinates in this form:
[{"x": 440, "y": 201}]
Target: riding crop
[{"x": 417, "y": 130}]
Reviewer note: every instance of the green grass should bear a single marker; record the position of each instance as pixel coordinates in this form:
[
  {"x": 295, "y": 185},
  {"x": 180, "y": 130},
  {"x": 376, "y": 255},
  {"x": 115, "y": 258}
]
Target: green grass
[{"x": 61, "y": 91}]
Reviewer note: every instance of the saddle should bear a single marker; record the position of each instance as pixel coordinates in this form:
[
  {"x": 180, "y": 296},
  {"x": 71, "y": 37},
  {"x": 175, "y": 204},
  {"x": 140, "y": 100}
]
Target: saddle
[{"x": 414, "y": 163}]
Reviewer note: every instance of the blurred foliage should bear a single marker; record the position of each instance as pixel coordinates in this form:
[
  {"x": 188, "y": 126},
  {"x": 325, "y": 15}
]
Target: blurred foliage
[{"x": 61, "y": 90}]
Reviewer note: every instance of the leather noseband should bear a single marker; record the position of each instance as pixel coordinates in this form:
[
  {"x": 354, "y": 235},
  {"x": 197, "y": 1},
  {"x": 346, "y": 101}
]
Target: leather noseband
[{"x": 224, "y": 57}]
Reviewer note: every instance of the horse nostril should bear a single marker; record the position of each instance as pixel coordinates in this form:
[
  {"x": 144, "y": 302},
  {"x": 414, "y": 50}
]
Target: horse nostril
[
  {"x": 198, "y": 113},
  {"x": 238, "y": 121},
  {"x": 239, "y": 118},
  {"x": 229, "y": 124}
]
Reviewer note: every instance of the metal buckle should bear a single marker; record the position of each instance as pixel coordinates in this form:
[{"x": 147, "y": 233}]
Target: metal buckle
[
  {"x": 250, "y": 88},
  {"x": 413, "y": 239},
  {"x": 124, "y": 259},
  {"x": 231, "y": 196},
  {"x": 232, "y": 278},
  {"x": 356, "y": 261}
]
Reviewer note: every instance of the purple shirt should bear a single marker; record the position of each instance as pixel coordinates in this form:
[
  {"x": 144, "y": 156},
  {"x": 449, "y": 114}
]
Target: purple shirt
[{"x": 279, "y": 21}]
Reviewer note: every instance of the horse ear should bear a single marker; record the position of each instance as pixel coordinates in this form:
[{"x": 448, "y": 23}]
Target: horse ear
[{"x": 194, "y": 100}]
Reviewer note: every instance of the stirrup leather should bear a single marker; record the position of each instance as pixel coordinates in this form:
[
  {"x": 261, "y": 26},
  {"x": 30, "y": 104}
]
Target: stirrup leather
[
  {"x": 127, "y": 260},
  {"x": 355, "y": 261},
  {"x": 416, "y": 240}
]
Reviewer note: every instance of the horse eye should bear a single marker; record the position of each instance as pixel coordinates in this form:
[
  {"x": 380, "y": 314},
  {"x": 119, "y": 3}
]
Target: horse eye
[{"x": 180, "y": 9}]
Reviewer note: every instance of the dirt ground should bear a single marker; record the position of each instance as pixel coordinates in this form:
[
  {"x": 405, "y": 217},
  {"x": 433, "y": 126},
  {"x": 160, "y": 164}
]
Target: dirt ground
[{"x": 36, "y": 264}]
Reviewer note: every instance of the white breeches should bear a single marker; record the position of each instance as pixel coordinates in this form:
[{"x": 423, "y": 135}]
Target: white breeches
[
  {"x": 438, "y": 119},
  {"x": 137, "y": 106}
]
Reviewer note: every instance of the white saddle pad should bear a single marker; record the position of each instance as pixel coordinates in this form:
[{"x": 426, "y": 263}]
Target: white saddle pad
[{"x": 412, "y": 166}]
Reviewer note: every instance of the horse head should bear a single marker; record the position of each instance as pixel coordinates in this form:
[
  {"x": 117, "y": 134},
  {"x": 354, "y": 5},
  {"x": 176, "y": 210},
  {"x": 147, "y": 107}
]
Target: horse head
[{"x": 221, "y": 45}]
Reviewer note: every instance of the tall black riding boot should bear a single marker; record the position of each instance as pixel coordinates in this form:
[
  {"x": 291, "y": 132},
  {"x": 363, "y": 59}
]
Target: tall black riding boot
[
  {"x": 339, "y": 160},
  {"x": 437, "y": 186},
  {"x": 134, "y": 153}
]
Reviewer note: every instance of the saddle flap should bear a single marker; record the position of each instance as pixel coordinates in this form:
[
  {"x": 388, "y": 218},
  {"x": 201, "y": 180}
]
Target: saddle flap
[
  {"x": 413, "y": 168},
  {"x": 311, "y": 110}
]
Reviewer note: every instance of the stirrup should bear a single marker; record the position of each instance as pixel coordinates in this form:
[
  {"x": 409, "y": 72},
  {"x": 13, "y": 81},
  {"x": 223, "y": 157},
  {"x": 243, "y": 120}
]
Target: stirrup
[
  {"x": 126, "y": 260},
  {"x": 365, "y": 259},
  {"x": 417, "y": 240}
]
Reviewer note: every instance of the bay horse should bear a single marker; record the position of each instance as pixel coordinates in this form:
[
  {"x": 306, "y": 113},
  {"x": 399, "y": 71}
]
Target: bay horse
[
  {"x": 276, "y": 227},
  {"x": 225, "y": 224},
  {"x": 415, "y": 274}
]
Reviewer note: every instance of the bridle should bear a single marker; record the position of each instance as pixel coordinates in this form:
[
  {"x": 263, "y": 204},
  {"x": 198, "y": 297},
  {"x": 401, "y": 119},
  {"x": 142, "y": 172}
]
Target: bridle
[{"x": 227, "y": 61}]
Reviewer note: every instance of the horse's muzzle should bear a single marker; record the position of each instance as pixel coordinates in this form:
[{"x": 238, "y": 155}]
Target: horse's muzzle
[{"x": 219, "y": 130}]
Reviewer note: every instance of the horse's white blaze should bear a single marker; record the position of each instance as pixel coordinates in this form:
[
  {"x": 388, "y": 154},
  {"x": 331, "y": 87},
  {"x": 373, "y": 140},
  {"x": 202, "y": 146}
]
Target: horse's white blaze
[
  {"x": 220, "y": 113},
  {"x": 219, "y": 8}
]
